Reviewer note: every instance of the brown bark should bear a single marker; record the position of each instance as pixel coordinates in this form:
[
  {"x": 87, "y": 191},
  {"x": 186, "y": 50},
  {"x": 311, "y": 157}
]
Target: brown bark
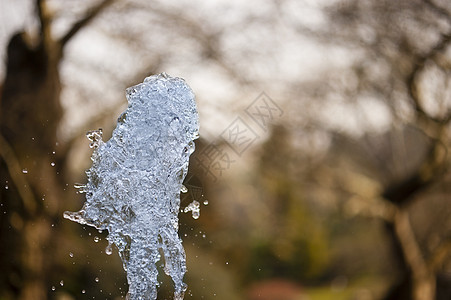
[
  {"x": 29, "y": 116},
  {"x": 423, "y": 279},
  {"x": 30, "y": 112}
]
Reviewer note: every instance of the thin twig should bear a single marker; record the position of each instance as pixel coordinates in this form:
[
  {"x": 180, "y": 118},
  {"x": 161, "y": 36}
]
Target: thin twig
[
  {"x": 439, "y": 10},
  {"x": 90, "y": 15},
  {"x": 418, "y": 66}
]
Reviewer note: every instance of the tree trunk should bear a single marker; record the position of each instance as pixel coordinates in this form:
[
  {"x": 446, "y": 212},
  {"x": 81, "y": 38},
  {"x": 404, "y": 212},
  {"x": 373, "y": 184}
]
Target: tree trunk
[{"x": 30, "y": 112}]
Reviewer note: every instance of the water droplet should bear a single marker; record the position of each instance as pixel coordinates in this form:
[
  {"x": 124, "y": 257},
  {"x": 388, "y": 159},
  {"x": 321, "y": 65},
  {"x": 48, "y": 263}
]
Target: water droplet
[
  {"x": 184, "y": 189},
  {"x": 53, "y": 288},
  {"x": 52, "y": 164},
  {"x": 95, "y": 136},
  {"x": 196, "y": 215},
  {"x": 53, "y": 152},
  {"x": 194, "y": 207},
  {"x": 97, "y": 279},
  {"x": 96, "y": 239},
  {"x": 62, "y": 283},
  {"x": 205, "y": 202},
  {"x": 25, "y": 171},
  {"x": 71, "y": 254},
  {"x": 6, "y": 187},
  {"x": 109, "y": 248},
  {"x": 83, "y": 291},
  {"x": 82, "y": 188}
]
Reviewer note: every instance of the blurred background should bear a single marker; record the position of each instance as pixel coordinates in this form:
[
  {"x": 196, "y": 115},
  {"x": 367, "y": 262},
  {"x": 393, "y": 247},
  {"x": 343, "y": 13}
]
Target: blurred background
[{"x": 322, "y": 169}]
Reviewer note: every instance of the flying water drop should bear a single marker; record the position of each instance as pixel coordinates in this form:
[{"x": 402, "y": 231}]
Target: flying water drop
[
  {"x": 194, "y": 207},
  {"x": 109, "y": 249}
]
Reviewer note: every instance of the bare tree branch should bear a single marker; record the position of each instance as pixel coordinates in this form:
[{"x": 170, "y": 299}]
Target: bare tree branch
[
  {"x": 374, "y": 208},
  {"x": 90, "y": 15},
  {"x": 207, "y": 38},
  {"x": 432, "y": 168},
  {"x": 423, "y": 278},
  {"x": 439, "y": 10},
  {"x": 418, "y": 66},
  {"x": 439, "y": 255},
  {"x": 45, "y": 21}
]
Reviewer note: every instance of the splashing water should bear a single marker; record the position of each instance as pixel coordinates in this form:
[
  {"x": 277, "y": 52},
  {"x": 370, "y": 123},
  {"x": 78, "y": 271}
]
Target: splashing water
[
  {"x": 134, "y": 184},
  {"x": 194, "y": 207}
]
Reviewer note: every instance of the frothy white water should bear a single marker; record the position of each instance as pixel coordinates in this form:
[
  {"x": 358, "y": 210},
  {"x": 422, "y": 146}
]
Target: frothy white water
[{"x": 134, "y": 184}]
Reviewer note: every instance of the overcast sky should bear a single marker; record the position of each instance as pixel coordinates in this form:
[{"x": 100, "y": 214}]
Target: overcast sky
[{"x": 257, "y": 39}]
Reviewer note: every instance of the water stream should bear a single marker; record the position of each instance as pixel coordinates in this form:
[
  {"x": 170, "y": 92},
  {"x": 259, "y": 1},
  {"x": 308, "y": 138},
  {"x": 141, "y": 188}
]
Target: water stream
[{"x": 134, "y": 184}]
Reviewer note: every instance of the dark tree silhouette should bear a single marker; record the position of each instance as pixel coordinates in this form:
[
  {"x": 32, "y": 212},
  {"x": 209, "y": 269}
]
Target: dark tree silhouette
[
  {"x": 407, "y": 39},
  {"x": 30, "y": 113}
]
